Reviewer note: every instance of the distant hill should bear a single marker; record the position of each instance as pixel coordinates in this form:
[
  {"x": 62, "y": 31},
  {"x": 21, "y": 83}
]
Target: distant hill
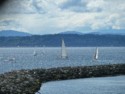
[
  {"x": 71, "y": 40},
  {"x": 7, "y": 33},
  {"x": 111, "y": 31},
  {"x": 71, "y": 32},
  {"x": 98, "y": 32}
]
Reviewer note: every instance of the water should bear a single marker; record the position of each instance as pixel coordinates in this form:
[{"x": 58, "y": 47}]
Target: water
[
  {"x": 50, "y": 57},
  {"x": 104, "y": 85}
]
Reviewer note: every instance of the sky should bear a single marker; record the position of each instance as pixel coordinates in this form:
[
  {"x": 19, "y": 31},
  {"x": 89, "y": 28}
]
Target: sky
[{"x": 54, "y": 16}]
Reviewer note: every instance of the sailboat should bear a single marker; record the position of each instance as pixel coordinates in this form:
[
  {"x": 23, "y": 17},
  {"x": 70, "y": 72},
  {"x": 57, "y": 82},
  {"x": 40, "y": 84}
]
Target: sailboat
[
  {"x": 34, "y": 53},
  {"x": 96, "y": 54},
  {"x": 13, "y": 60},
  {"x": 63, "y": 51},
  {"x": 43, "y": 50}
]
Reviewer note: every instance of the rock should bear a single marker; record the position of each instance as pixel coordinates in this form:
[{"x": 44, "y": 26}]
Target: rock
[{"x": 29, "y": 81}]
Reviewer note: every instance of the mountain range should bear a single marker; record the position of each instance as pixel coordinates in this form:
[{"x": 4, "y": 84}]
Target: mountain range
[
  {"x": 99, "y": 32},
  {"x": 13, "y": 33},
  {"x": 11, "y": 38},
  {"x": 71, "y": 40},
  {"x": 111, "y": 31},
  {"x": 71, "y": 32}
]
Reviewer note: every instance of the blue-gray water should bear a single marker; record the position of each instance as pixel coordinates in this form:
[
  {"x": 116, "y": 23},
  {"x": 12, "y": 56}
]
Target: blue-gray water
[
  {"x": 104, "y": 85},
  {"x": 50, "y": 57}
]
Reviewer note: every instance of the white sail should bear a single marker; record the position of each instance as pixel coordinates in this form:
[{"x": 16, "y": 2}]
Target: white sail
[
  {"x": 34, "y": 53},
  {"x": 64, "y": 53},
  {"x": 96, "y": 54}
]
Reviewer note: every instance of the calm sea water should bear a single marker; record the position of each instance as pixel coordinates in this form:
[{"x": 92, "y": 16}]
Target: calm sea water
[
  {"x": 104, "y": 85},
  {"x": 83, "y": 56},
  {"x": 50, "y": 57}
]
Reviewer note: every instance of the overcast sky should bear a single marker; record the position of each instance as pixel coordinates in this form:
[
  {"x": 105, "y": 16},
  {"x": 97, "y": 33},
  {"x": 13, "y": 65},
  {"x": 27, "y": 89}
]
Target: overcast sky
[{"x": 54, "y": 16}]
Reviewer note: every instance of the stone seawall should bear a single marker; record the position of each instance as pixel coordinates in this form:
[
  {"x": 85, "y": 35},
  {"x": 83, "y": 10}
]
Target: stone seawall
[{"x": 29, "y": 81}]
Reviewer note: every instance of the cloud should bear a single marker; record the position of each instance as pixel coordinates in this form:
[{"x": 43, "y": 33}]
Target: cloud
[
  {"x": 74, "y": 5},
  {"x": 9, "y": 23},
  {"x": 19, "y": 7},
  {"x": 83, "y": 5},
  {"x": 93, "y": 5},
  {"x": 48, "y": 16}
]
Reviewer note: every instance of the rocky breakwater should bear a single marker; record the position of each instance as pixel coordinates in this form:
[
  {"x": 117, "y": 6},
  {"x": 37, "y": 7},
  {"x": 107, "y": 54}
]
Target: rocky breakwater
[{"x": 29, "y": 81}]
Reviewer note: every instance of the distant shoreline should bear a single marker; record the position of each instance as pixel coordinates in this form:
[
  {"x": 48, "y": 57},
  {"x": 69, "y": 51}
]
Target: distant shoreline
[
  {"x": 66, "y": 47},
  {"x": 71, "y": 40}
]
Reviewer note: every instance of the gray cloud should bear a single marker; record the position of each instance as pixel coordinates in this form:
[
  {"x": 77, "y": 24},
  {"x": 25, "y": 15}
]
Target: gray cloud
[
  {"x": 93, "y": 5},
  {"x": 48, "y": 16},
  {"x": 79, "y": 6},
  {"x": 39, "y": 9},
  {"x": 10, "y": 25},
  {"x": 21, "y": 7},
  {"x": 74, "y": 5}
]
